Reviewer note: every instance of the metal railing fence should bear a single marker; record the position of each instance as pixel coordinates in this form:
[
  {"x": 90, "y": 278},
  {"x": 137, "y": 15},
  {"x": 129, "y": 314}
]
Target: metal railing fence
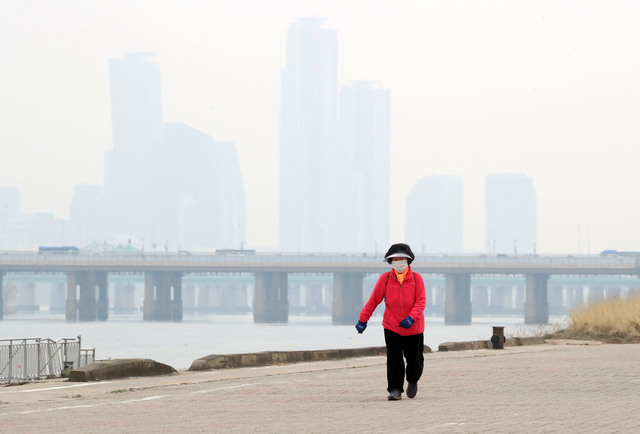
[{"x": 35, "y": 358}]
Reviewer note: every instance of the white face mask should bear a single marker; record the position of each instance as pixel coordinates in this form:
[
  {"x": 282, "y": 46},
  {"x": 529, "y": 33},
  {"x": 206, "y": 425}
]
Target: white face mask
[{"x": 399, "y": 266}]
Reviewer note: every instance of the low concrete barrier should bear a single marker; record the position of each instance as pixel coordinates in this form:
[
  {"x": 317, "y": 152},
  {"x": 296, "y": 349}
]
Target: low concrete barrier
[
  {"x": 481, "y": 345},
  {"x": 216, "y": 361},
  {"x": 120, "y": 368}
]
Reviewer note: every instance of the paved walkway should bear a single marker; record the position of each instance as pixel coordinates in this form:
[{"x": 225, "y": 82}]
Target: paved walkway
[{"x": 542, "y": 388}]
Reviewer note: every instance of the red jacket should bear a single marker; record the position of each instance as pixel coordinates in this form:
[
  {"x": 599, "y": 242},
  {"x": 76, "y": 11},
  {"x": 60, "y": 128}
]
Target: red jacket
[{"x": 401, "y": 301}]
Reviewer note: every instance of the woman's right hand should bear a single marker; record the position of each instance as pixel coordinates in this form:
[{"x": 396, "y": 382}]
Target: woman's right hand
[{"x": 361, "y": 326}]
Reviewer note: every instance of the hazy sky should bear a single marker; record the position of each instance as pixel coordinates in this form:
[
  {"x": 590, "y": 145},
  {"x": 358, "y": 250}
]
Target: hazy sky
[{"x": 549, "y": 88}]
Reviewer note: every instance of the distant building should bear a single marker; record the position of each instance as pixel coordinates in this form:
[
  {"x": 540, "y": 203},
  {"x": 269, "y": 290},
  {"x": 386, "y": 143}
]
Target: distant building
[
  {"x": 9, "y": 202},
  {"x": 28, "y": 231},
  {"x": 363, "y": 168},
  {"x": 136, "y": 104},
  {"x": 201, "y": 190},
  {"x": 167, "y": 185},
  {"x": 137, "y": 125},
  {"x": 434, "y": 215},
  {"x": 86, "y": 215},
  {"x": 45, "y": 229},
  {"x": 12, "y": 232},
  {"x": 308, "y": 143},
  {"x": 510, "y": 213}
]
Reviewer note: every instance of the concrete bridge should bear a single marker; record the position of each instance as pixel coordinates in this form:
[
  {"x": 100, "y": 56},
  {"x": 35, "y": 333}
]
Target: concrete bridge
[{"x": 87, "y": 275}]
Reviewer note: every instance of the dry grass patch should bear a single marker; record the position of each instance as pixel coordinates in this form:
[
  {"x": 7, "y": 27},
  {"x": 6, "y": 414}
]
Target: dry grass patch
[{"x": 616, "y": 320}]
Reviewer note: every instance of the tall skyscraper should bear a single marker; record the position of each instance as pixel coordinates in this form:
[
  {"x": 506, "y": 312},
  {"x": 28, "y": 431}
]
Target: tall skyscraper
[
  {"x": 363, "y": 168},
  {"x": 308, "y": 144},
  {"x": 510, "y": 213},
  {"x": 136, "y": 104},
  {"x": 137, "y": 125},
  {"x": 434, "y": 215}
]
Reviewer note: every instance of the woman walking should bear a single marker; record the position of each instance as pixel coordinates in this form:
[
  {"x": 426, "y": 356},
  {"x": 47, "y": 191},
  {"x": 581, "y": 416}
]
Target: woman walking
[{"x": 404, "y": 296}]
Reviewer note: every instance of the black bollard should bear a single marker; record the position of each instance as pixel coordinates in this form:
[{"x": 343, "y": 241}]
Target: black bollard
[{"x": 498, "y": 338}]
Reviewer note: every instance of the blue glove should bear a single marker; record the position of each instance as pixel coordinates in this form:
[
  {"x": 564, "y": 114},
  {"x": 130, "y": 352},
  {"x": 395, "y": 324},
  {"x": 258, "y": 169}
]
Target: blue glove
[
  {"x": 361, "y": 326},
  {"x": 407, "y": 322}
]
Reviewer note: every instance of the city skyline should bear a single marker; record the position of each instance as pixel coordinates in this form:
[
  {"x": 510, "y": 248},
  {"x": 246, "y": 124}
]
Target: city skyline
[
  {"x": 165, "y": 184},
  {"x": 540, "y": 88}
]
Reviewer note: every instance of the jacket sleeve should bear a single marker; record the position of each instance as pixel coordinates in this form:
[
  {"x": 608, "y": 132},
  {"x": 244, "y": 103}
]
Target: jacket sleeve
[
  {"x": 420, "y": 298},
  {"x": 376, "y": 298}
]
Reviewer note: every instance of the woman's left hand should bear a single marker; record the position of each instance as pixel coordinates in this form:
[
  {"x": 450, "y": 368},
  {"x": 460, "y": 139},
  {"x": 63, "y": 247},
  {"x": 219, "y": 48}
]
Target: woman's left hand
[{"x": 407, "y": 322}]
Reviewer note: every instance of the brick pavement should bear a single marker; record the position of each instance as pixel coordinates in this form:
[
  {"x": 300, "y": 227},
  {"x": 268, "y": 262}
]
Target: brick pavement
[{"x": 541, "y": 388}]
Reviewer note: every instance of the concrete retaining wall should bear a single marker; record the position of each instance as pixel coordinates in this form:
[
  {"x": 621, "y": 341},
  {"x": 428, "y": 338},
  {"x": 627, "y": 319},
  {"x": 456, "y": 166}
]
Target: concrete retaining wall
[
  {"x": 120, "y": 368},
  {"x": 282, "y": 357},
  {"x": 481, "y": 345}
]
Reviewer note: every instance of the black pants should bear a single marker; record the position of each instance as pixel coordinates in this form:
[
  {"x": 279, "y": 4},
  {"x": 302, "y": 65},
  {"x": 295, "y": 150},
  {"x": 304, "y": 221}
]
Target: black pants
[{"x": 412, "y": 348}]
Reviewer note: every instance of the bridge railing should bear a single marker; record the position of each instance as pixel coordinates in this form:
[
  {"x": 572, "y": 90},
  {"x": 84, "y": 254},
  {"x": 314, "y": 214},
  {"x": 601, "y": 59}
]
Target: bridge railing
[
  {"x": 34, "y": 358},
  {"x": 316, "y": 262}
]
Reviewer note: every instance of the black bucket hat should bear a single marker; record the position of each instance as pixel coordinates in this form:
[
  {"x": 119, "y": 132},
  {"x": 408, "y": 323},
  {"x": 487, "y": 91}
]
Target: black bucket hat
[{"x": 399, "y": 250}]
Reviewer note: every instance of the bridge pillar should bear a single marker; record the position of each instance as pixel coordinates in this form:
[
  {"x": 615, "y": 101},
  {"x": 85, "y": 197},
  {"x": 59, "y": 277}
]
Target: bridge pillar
[
  {"x": 87, "y": 307},
  {"x": 229, "y": 296},
  {"x": 270, "y": 302},
  {"x": 71, "y": 313},
  {"x": 480, "y": 298},
  {"x": 555, "y": 299},
  {"x": 314, "y": 299},
  {"x": 149, "y": 303},
  {"x": 162, "y": 296},
  {"x": 575, "y": 298},
  {"x": 1, "y": 298},
  {"x": 124, "y": 298},
  {"x": 241, "y": 304},
  {"x": 158, "y": 303},
  {"x": 189, "y": 297},
  {"x": 93, "y": 284},
  {"x": 57, "y": 297},
  {"x": 536, "y": 307},
  {"x": 438, "y": 296},
  {"x": 519, "y": 297},
  {"x": 500, "y": 299},
  {"x": 175, "y": 279},
  {"x": 215, "y": 296},
  {"x": 102, "y": 281},
  {"x": 27, "y": 297},
  {"x": 347, "y": 297},
  {"x": 457, "y": 305},
  {"x": 294, "y": 295},
  {"x": 204, "y": 289}
]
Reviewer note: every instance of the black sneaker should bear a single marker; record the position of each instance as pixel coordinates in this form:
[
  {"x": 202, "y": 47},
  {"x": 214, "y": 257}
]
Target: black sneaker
[
  {"x": 412, "y": 389},
  {"x": 395, "y": 395}
]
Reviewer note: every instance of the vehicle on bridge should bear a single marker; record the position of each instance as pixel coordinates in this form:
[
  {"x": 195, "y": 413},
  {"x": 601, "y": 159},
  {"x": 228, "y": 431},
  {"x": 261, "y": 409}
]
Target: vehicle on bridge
[
  {"x": 235, "y": 252},
  {"x": 612, "y": 252},
  {"x": 58, "y": 250}
]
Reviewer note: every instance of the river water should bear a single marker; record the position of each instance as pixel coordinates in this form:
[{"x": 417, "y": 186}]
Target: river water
[{"x": 178, "y": 344}]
